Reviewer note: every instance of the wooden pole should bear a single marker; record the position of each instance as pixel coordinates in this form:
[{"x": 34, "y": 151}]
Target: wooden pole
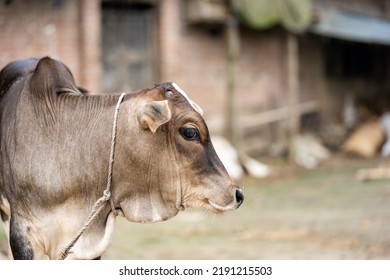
[
  {"x": 293, "y": 89},
  {"x": 232, "y": 34}
]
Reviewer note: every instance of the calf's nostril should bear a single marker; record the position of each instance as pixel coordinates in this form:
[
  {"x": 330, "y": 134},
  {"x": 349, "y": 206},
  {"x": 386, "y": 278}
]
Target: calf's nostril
[{"x": 239, "y": 197}]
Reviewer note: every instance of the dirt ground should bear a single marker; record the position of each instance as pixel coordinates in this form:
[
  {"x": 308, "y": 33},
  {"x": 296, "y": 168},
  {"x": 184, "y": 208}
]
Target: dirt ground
[{"x": 324, "y": 213}]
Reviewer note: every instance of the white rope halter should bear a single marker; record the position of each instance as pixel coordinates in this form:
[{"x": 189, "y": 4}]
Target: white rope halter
[{"x": 99, "y": 204}]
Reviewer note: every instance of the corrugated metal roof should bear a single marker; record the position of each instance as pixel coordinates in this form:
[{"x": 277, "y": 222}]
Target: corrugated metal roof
[{"x": 351, "y": 26}]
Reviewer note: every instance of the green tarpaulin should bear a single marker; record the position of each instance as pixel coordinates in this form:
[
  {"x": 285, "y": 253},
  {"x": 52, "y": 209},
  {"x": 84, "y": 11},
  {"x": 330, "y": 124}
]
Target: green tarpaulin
[{"x": 294, "y": 15}]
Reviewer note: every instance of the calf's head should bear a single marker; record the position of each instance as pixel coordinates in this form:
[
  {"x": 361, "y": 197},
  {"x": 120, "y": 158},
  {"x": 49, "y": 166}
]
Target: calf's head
[{"x": 176, "y": 166}]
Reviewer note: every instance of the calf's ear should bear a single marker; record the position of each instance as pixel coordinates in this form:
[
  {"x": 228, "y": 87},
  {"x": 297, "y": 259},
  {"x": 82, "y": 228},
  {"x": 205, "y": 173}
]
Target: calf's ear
[{"x": 154, "y": 114}]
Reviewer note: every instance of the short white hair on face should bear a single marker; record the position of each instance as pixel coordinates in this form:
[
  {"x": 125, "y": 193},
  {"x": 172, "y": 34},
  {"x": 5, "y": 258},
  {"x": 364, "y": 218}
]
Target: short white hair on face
[{"x": 193, "y": 104}]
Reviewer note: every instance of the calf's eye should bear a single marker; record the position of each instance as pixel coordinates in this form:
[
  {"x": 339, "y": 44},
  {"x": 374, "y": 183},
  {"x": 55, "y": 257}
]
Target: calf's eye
[{"x": 190, "y": 133}]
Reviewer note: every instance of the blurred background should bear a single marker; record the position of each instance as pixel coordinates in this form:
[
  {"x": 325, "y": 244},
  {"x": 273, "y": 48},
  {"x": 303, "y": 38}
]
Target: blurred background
[{"x": 296, "y": 94}]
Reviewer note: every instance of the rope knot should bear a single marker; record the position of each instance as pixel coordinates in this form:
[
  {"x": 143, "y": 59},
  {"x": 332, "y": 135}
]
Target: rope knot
[{"x": 106, "y": 195}]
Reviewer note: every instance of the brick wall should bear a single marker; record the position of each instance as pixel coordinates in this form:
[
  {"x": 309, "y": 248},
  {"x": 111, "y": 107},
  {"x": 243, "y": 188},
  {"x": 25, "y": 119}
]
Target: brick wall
[
  {"x": 195, "y": 58},
  {"x": 67, "y": 30},
  {"x": 192, "y": 58}
]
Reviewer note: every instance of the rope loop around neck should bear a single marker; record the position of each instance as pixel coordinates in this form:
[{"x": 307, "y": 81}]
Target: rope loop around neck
[
  {"x": 99, "y": 204},
  {"x": 112, "y": 152}
]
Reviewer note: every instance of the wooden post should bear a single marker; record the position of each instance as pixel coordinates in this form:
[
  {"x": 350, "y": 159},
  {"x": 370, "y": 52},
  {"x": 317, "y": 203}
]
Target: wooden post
[
  {"x": 89, "y": 45},
  {"x": 232, "y": 34},
  {"x": 293, "y": 89}
]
